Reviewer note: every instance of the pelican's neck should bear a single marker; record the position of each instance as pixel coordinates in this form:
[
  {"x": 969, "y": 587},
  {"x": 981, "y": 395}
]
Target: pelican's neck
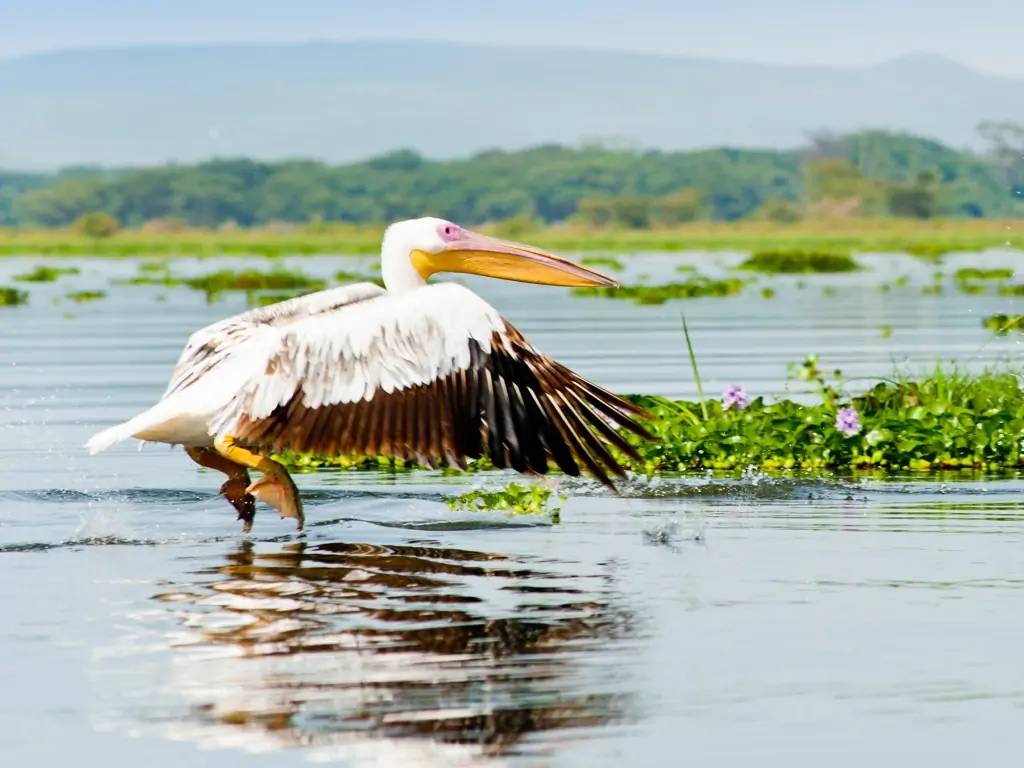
[{"x": 396, "y": 265}]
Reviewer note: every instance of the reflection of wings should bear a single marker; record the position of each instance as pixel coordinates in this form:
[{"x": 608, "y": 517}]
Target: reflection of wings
[
  {"x": 433, "y": 374},
  {"x": 389, "y": 650}
]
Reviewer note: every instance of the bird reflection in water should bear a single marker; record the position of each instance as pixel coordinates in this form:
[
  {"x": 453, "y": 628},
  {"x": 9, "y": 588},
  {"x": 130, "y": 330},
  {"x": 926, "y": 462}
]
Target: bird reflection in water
[{"x": 342, "y": 644}]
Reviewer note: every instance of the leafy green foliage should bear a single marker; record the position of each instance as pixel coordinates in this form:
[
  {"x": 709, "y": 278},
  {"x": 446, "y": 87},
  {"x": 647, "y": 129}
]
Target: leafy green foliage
[
  {"x": 871, "y": 173},
  {"x": 514, "y": 498},
  {"x": 45, "y": 274},
  {"x": 11, "y": 297},
  {"x": 696, "y": 287},
  {"x": 943, "y": 421},
  {"x": 797, "y": 261}
]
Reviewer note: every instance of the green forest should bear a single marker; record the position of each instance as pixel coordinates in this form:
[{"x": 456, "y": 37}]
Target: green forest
[{"x": 865, "y": 174}]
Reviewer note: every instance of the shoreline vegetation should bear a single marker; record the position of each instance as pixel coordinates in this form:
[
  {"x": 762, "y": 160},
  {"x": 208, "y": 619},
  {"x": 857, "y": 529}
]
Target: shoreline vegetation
[{"x": 929, "y": 238}]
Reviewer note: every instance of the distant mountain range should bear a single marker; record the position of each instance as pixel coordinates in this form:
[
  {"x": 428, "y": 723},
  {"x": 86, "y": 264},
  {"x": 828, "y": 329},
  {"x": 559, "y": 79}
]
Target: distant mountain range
[{"x": 344, "y": 101}]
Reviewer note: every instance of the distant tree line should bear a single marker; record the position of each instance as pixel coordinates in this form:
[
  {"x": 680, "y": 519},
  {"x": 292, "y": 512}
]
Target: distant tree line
[{"x": 864, "y": 174}]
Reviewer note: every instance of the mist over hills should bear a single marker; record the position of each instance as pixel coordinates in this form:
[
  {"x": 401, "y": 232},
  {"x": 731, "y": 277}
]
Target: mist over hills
[{"x": 345, "y": 101}]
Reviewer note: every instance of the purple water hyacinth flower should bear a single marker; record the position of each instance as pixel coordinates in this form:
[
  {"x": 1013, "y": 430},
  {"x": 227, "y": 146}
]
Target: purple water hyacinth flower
[
  {"x": 735, "y": 395},
  {"x": 848, "y": 421}
]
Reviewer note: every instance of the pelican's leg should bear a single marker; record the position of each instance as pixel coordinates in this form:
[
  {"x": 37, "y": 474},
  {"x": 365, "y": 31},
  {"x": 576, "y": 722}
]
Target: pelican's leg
[
  {"x": 276, "y": 487},
  {"x": 235, "y": 487}
]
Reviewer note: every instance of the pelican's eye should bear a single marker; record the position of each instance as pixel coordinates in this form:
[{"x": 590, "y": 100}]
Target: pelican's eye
[{"x": 449, "y": 232}]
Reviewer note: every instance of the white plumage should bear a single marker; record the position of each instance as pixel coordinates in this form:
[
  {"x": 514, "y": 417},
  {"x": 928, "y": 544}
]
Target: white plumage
[{"x": 336, "y": 346}]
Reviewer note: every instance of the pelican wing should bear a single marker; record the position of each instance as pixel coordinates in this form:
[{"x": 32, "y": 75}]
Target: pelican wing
[
  {"x": 211, "y": 346},
  {"x": 434, "y": 374}
]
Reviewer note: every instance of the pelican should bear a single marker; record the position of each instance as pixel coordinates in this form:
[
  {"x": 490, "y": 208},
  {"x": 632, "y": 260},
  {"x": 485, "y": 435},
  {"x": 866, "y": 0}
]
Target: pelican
[{"x": 426, "y": 372}]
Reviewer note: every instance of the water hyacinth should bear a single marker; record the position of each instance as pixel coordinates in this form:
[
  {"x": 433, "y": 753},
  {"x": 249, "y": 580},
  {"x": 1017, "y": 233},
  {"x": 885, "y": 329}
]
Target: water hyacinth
[
  {"x": 734, "y": 396},
  {"x": 848, "y": 421}
]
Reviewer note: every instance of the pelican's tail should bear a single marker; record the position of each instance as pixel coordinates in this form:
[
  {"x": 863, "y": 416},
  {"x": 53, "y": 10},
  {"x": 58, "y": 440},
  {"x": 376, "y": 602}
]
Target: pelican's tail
[{"x": 155, "y": 424}]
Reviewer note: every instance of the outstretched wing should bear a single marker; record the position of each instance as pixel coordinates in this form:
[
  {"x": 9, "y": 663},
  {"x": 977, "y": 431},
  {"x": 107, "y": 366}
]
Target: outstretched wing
[
  {"x": 434, "y": 374},
  {"x": 211, "y": 346}
]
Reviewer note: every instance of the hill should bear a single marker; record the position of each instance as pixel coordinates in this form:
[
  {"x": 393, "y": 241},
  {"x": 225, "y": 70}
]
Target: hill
[{"x": 342, "y": 101}]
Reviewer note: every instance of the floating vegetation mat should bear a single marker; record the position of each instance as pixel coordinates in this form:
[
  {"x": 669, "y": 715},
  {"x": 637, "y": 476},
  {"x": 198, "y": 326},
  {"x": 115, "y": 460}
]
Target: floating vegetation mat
[
  {"x": 1002, "y": 324},
  {"x": 223, "y": 280},
  {"x": 695, "y": 287},
  {"x": 45, "y": 274},
  {"x": 80, "y": 297},
  {"x": 11, "y": 297},
  {"x": 941, "y": 422},
  {"x": 799, "y": 262}
]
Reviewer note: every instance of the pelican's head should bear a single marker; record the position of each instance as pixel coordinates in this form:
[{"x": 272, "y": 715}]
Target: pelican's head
[{"x": 415, "y": 249}]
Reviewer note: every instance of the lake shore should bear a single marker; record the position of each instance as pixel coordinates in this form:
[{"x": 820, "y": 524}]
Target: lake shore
[{"x": 931, "y": 237}]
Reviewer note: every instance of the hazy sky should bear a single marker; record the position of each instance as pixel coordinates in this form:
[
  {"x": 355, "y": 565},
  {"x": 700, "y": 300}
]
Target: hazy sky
[{"x": 985, "y": 33}]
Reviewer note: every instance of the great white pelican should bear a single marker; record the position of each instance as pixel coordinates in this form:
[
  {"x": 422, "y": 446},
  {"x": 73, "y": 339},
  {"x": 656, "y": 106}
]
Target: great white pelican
[{"x": 430, "y": 373}]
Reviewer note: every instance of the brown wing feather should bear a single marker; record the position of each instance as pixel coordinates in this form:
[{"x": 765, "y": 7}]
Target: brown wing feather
[{"x": 513, "y": 404}]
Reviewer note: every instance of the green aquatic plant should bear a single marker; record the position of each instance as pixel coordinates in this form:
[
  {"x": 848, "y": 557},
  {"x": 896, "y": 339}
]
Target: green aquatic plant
[
  {"x": 80, "y": 297},
  {"x": 344, "y": 276},
  {"x": 45, "y": 274},
  {"x": 696, "y": 287},
  {"x": 11, "y": 297},
  {"x": 968, "y": 274},
  {"x": 516, "y": 499},
  {"x": 799, "y": 261},
  {"x": 603, "y": 261},
  {"x": 223, "y": 280},
  {"x": 942, "y": 421},
  {"x": 1002, "y": 324}
]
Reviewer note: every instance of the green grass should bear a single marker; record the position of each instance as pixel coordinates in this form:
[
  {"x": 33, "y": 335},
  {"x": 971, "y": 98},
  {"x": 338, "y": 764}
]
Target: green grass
[
  {"x": 930, "y": 238},
  {"x": 799, "y": 262},
  {"x": 12, "y": 297},
  {"x": 45, "y": 274},
  {"x": 696, "y": 287}
]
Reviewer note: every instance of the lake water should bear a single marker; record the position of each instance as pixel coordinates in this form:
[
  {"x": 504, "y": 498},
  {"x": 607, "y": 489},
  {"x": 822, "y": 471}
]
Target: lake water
[{"x": 711, "y": 621}]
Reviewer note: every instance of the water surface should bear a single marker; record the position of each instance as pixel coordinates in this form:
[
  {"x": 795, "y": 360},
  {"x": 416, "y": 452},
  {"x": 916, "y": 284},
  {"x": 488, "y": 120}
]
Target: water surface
[{"x": 718, "y": 621}]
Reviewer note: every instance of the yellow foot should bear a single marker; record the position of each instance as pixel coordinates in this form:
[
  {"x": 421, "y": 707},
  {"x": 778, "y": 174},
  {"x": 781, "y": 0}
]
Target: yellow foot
[{"x": 279, "y": 491}]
